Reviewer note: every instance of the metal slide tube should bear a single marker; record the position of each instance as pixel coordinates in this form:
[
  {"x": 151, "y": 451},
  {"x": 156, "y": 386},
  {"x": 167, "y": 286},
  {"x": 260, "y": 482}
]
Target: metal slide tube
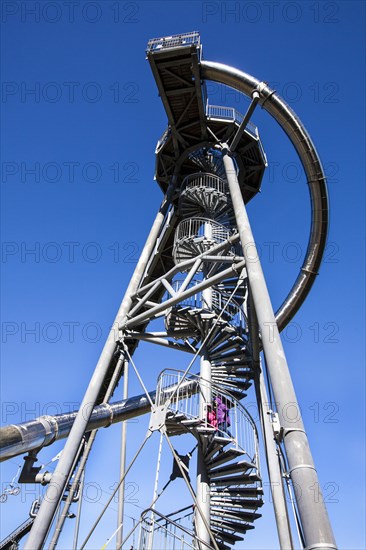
[
  {"x": 17, "y": 439},
  {"x": 309, "y": 158},
  {"x": 313, "y": 514},
  {"x": 56, "y": 488}
]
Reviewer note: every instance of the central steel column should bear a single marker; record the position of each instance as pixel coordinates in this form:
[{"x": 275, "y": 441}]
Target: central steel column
[
  {"x": 61, "y": 474},
  {"x": 203, "y": 482},
  {"x": 313, "y": 514}
]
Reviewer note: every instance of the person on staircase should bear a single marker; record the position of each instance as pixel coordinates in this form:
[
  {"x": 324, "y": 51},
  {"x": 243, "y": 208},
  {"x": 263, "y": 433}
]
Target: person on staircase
[
  {"x": 211, "y": 417},
  {"x": 223, "y": 419}
]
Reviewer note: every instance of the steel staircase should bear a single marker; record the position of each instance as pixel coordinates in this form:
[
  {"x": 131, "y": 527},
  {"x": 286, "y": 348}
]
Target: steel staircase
[
  {"x": 231, "y": 455},
  {"x": 217, "y": 318}
]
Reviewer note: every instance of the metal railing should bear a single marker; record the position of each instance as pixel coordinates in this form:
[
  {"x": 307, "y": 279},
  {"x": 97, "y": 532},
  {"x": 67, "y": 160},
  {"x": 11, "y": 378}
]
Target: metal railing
[
  {"x": 231, "y": 114},
  {"x": 161, "y": 532},
  {"x": 233, "y": 313},
  {"x": 175, "y": 41},
  {"x": 239, "y": 426},
  {"x": 204, "y": 228},
  {"x": 205, "y": 180}
]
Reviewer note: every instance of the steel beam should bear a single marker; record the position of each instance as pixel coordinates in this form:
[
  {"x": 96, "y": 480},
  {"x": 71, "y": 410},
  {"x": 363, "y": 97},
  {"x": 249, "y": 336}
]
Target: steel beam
[
  {"x": 305, "y": 148},
  {"x": 61, "y": 474},
  {"x": 121, "y": 490},
  {"x": 181, "y": 296},
  {"x": 313, "y": 514},
  {"x": 271, "y": 450}
]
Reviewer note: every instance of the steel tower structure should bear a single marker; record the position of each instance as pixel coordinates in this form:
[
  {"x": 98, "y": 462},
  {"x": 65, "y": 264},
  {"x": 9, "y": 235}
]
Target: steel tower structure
[{"x": 200, "y": 273}]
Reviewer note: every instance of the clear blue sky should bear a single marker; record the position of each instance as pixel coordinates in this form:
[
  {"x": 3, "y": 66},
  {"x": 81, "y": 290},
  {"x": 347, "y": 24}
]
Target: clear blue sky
[{"x": 88, "y": 132}]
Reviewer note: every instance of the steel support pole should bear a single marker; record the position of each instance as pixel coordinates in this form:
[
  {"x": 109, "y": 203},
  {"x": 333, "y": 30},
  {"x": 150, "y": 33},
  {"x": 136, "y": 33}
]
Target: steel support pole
[
  {"x": 271, "y": 451},
  {"x": 121, "y": 490},
  {"x": 274, "y": 472},
  {"x": 312, "y": 512},
  {"x": 203, "y": 482},
  {"x": 78, "y": 514},
  {"x": 57, "y": 485},
  {"x": 80, "y": 468}
]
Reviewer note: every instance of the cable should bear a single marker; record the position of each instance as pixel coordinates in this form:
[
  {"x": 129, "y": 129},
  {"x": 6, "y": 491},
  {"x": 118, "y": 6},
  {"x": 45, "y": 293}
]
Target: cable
[
  {"x": 115, "y": 491},
  {"x": 192, "y": 492},
  {"x": 284, "y": 467},
  {"x": 139, "y": 378}
]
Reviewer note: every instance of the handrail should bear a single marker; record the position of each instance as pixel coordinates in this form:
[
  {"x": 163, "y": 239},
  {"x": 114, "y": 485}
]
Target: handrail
[
  {"x": 175, "y": 41},
  {"x": 205, "y": 179},
  {"x": 165, "y": 531},
  {"x": 233, "y": 313},
  {"x": 232, "y": 114},
  {"x": 240, "y": 429},
  {"x": 196, "y": 227}
]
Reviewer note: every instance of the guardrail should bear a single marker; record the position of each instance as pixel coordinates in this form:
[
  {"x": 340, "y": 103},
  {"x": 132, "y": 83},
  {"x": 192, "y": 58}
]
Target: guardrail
[
  {"x": 239, "y": 427},
  {"x": 231, "y": 114},
  {"x": 175, "y": 41},
  {"x": 162, "y": 532},
  {"x": 233, "y": 312},
  {"x": 201, "y": 227},
  {"x": 204, "y": 180}
]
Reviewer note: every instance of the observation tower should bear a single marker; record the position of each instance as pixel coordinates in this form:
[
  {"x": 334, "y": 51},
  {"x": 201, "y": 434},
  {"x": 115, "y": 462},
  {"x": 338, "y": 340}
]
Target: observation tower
[{"x": 199, "y": 275}]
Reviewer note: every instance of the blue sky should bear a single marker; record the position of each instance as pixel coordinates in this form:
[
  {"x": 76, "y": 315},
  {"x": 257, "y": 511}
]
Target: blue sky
[{"x": 77, "y": 189}]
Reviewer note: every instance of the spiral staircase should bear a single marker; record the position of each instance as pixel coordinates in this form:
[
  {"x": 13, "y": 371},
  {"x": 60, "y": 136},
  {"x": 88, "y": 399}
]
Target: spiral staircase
[
  {"x": 216, "y": 317},
  {"x": 231, "y": 454}
]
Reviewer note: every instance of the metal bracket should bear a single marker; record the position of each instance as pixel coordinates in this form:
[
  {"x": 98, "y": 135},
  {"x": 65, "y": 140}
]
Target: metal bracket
[
  {"x": 276, "y": 426},
  {"x": 157, "y": 418},
  {"x": 31, "y": 474}
]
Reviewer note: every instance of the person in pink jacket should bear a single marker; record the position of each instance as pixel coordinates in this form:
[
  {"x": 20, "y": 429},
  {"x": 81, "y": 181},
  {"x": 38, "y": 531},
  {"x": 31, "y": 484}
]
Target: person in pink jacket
[{"x": 211, "y": 417}]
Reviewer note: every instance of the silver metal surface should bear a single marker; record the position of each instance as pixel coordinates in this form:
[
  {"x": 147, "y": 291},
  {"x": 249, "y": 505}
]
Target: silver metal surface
[
  {"x": 194, "y": 271},
  {"x": 309, "y": 158},
  {"x": 17, "y": 439},
  {"x": 313, "y": 514}
]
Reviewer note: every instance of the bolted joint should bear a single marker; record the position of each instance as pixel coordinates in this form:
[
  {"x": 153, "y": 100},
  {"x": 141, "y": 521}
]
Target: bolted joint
[{"x": 157, "y": 418}]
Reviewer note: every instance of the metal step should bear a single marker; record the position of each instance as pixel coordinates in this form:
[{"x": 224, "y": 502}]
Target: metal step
[
  {"x": 237, "y": 492},
  {"x": 231, "y": 538},
  {"x": 191, "y": 422},
  {"x": 229, "y": 469},
  {"x": 234, "y": 526},
  {"x": 237, "y": 384},
  {"x": 177, "y": 417},
  {"x": 226, "y": 345},
  {"x": 236, "y": 503},
  {"x": 215, "y": 445},
  {"x": 237, "y": 515},
  {"x": 223, "y": 457},
  {"x": 206, "y": 430},
  {"x": 245, "y": 479},
  {"x": 174, "y": 429}
]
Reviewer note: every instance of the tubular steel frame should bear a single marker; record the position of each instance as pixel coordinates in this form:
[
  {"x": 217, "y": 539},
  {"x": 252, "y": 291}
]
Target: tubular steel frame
[{"x": 140, "y": 306}]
